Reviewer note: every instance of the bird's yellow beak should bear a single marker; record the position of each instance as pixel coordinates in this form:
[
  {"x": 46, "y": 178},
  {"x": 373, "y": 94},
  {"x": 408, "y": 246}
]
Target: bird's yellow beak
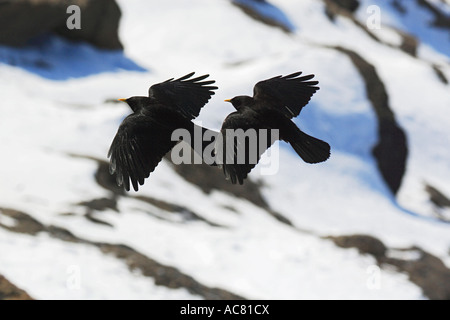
[
  {"x": 122, "y": 100},
  {"x": 227, "y": 100}
]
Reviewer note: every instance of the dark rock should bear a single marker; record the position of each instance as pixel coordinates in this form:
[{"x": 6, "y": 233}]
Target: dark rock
[
  {"x": 364, "y": 243},
  {"x": 24, "y": 20},
  {"x": 100, "y": 204},
  {"x": 209, "y": 178},
  {"x": 108, "y": 181},
  {"x": 344, "y": 8},
  {"x": 105, "y": 179},
  {"x": 391, "y": 151},
  {"x": 397, "y": 5},
  {"x": 63, "y": 234},
  {"x": 437, "y": 197},
  {"x": 427, "y": 271},
  {"x": 8, "y": 291},
  {"x": 163, "y": 275},
  {"x": 441, "y": 76},
  {"x": 258, "y": 10},
  {"x": 440, "y": 202},
  {"x": 183, "y": 213},
  {"x": 100, "y": 24},
  {"x": 441, "y": 19},
  {"x": 391, "y": 154},
  {"x": 409, "y": 43},
  {"x": 102, "y": 175},
  {"x": 349, "y": 5},
  {"x": 91, "y": 217},
  {"x": 23, "y": 223}
]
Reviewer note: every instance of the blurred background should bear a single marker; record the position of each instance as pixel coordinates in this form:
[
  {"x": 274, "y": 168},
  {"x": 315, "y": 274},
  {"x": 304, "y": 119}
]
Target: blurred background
[{"x": 373, "y": 222}]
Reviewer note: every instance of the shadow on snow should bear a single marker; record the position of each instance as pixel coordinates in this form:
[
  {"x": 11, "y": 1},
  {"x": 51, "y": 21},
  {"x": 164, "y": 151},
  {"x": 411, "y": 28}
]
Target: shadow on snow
[{"x": 55, "y": 58}]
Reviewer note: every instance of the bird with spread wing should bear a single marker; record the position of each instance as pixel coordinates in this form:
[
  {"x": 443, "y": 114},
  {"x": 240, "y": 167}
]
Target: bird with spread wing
[
  {"x": 145, "y": 136},
  {"x": 274, "y": 103}
]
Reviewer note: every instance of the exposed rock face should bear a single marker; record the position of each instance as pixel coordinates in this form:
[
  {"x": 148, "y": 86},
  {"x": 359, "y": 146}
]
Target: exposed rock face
[
  {"x": 8, "y": 291},
  {"x": 425, "y": 270},
  {"x": 265, "y": 12},
  {"x": 162, "y": 274},
  {"x": 211, "y": 178},
  {"x": 345, "y": 8},
  {"x": 437, "y": 197},
  {"x": 391, "y": 151},
  {"x": 350, "y": 5},
  {"x": 207, "y": 178},
  {"x": 364, "y": 243},
  {"x": 23, "y": 20},
  {"x": 441, "y": 19}
]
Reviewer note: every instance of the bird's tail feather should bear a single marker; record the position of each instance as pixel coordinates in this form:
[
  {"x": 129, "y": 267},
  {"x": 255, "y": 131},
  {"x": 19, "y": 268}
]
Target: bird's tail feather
[{"x": 310, "y": 149}]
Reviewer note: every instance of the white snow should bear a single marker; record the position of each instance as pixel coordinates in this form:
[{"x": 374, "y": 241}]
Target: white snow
[
  {"x": 52, "y": 270},
  {"x": 45, "y": 121}
]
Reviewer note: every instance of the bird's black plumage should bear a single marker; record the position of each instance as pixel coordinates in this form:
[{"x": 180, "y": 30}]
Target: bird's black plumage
[
  {"x": 274, "y": 103},
  {"x": 144, "y": 137}
]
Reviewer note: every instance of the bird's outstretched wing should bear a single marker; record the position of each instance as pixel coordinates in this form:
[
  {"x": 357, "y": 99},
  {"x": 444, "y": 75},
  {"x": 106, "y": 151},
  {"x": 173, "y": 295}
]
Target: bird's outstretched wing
[
  {"x": 138, "y": 147},
  {"x": 188, "y": 95},
  {"x": 241, "y": 143},
  {"x": 290, "y": 92}
]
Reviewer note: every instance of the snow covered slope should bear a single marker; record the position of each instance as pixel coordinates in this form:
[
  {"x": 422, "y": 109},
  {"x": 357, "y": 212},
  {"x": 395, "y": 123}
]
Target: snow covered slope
[{"x": 67, "y": 233}]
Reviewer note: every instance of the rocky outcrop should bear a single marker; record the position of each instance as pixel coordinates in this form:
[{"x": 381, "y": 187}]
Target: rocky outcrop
[
  {"x": 24, "y": 20},
  {"x": 172, "y": 211},
  {"x": 348, "y": 5},
  {"x": 424, "y": 269},
  {"x": 438, "y": 198},
  {"x": 346, "y": 8},
  {"x": 210, "y": 178},
  {"x": 8, "y": 291},
  {"x": 441, "y": 19},
  {"x": 440, "y": 201},
  {"x": 365, "y": 244},
  {"x": 162, "y": 274},
  {"x": 265, "y": 12},
  {"x": 440, "y": 75},
  {"x": 391, "y": 151},
  {"x": 334, "y": 8}
]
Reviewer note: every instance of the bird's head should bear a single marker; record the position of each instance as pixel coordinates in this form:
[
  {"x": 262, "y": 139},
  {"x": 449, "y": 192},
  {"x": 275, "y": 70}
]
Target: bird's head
[
  {"x": 240, "y": 101},
  {"x": 136, "y": 103}
]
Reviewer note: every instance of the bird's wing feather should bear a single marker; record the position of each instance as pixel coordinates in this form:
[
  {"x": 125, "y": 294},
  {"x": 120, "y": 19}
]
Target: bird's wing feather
[
  {"x": 290, "y": 92},
  {"x": 187, "y": 94},
  {"x": 137, "y": 149},
  {"x": 238, "y": 157}
]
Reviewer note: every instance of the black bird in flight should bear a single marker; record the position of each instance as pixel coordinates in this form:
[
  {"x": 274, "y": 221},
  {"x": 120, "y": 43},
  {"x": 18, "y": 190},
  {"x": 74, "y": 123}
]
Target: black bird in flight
[
  {"x": 274, "y": 103},
  {"x": 144, "y": 137}
]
